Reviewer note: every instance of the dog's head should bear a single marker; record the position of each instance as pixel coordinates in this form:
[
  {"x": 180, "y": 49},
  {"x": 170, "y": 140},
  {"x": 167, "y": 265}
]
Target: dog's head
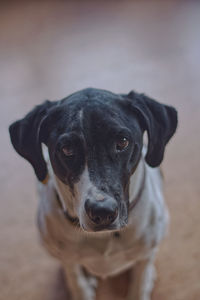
[{"x": 95, "y": 139}]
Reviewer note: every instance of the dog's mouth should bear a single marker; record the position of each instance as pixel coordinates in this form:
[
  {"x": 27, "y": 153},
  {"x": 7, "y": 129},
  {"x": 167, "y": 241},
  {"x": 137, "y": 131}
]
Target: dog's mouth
[
  {"x": 99, "y": 228},
  {"x": 89, "y": 226}
]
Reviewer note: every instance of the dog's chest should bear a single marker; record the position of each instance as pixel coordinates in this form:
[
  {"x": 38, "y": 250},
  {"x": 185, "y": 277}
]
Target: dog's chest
[
  {"x": 105, "y": 255},
  {"x": 114, "y": 256}
]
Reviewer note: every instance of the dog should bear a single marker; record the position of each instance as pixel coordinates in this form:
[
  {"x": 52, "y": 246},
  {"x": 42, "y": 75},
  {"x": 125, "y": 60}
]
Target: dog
[{"x": 101, "y": 209}]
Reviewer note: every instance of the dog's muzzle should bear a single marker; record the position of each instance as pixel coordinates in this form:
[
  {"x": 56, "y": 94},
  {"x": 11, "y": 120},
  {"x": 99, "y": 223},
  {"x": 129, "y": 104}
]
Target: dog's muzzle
[{"x": 102, "y": 212}]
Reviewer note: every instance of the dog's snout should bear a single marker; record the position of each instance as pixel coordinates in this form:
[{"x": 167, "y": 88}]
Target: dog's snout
[{"x": 102, "y": 212}]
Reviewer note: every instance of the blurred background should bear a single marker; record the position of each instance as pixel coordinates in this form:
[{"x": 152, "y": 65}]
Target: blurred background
[{"x": 49, "y": 49}]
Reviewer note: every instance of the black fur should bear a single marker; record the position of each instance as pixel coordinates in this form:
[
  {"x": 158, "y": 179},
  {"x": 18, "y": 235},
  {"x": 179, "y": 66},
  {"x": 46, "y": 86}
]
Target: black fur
[
  {"x": 90, "y": 122},
  {"x": 25, "y": 137},
  {"x": 158, "y": 119}
]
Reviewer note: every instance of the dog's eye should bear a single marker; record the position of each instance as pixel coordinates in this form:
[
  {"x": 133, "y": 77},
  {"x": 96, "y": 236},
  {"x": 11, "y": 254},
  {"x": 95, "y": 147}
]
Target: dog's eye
[
  {"x": 122, "y": 144},
  {"x": 68, "y": 151}
]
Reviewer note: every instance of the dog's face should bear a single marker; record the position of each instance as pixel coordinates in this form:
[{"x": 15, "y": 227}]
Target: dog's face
[
  {"x": 95, "y": 139},
  {"x": 94, "y": 148}
]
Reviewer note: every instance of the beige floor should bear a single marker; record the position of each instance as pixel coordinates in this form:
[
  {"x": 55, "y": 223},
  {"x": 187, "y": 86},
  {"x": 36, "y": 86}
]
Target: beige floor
[{"x": 49, "y": 49}]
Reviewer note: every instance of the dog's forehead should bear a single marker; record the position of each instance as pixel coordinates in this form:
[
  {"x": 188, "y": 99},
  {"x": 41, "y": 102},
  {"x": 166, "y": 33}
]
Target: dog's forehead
[{"x": 91, "y": 107}]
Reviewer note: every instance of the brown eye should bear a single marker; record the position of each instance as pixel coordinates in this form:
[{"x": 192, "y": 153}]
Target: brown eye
[
  {"x": 122, "y": 144},
  {"x": 67, "y": 152}
]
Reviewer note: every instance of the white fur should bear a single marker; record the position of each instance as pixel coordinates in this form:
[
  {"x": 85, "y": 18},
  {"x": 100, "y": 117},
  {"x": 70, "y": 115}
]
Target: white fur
[{"x": 103, "y": 254}]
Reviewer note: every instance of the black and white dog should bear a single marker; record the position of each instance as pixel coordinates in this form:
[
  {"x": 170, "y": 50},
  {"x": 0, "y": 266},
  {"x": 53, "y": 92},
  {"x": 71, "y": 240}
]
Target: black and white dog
[{"x": 101, "y": 207}]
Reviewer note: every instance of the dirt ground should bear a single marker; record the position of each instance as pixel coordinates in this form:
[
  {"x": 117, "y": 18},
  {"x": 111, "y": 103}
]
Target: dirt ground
[{"x": 49, "y": 49}]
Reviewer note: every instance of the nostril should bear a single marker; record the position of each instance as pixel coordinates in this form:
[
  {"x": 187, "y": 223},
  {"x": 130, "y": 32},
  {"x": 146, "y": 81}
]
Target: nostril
[
  {"x": 111, "y": 217},
  {"x": 88, "y": 208}
]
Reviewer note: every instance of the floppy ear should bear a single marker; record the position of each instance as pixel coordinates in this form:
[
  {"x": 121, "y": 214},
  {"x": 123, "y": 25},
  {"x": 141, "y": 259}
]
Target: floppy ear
[
  {"x": 25, "y": 137},
  {"x": 159, "y": 120}
]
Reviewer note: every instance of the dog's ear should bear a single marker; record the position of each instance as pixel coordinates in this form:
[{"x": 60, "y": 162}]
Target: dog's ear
[
  {"x": 159, "y": 120},
  {"x": 26, "y": 138}
]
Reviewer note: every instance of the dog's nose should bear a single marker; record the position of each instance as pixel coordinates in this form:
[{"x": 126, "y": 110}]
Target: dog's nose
[{"x": 102, "y": 212}]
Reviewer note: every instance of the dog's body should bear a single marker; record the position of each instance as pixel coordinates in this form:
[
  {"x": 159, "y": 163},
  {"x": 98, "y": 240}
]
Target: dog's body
[
  {"x": 106, "y": 254},
  {"x": 104, "y": 239}
]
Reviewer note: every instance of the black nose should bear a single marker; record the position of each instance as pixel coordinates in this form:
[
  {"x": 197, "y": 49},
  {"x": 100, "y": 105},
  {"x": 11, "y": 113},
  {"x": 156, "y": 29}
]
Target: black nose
[{"x": 102, "y": 212}]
